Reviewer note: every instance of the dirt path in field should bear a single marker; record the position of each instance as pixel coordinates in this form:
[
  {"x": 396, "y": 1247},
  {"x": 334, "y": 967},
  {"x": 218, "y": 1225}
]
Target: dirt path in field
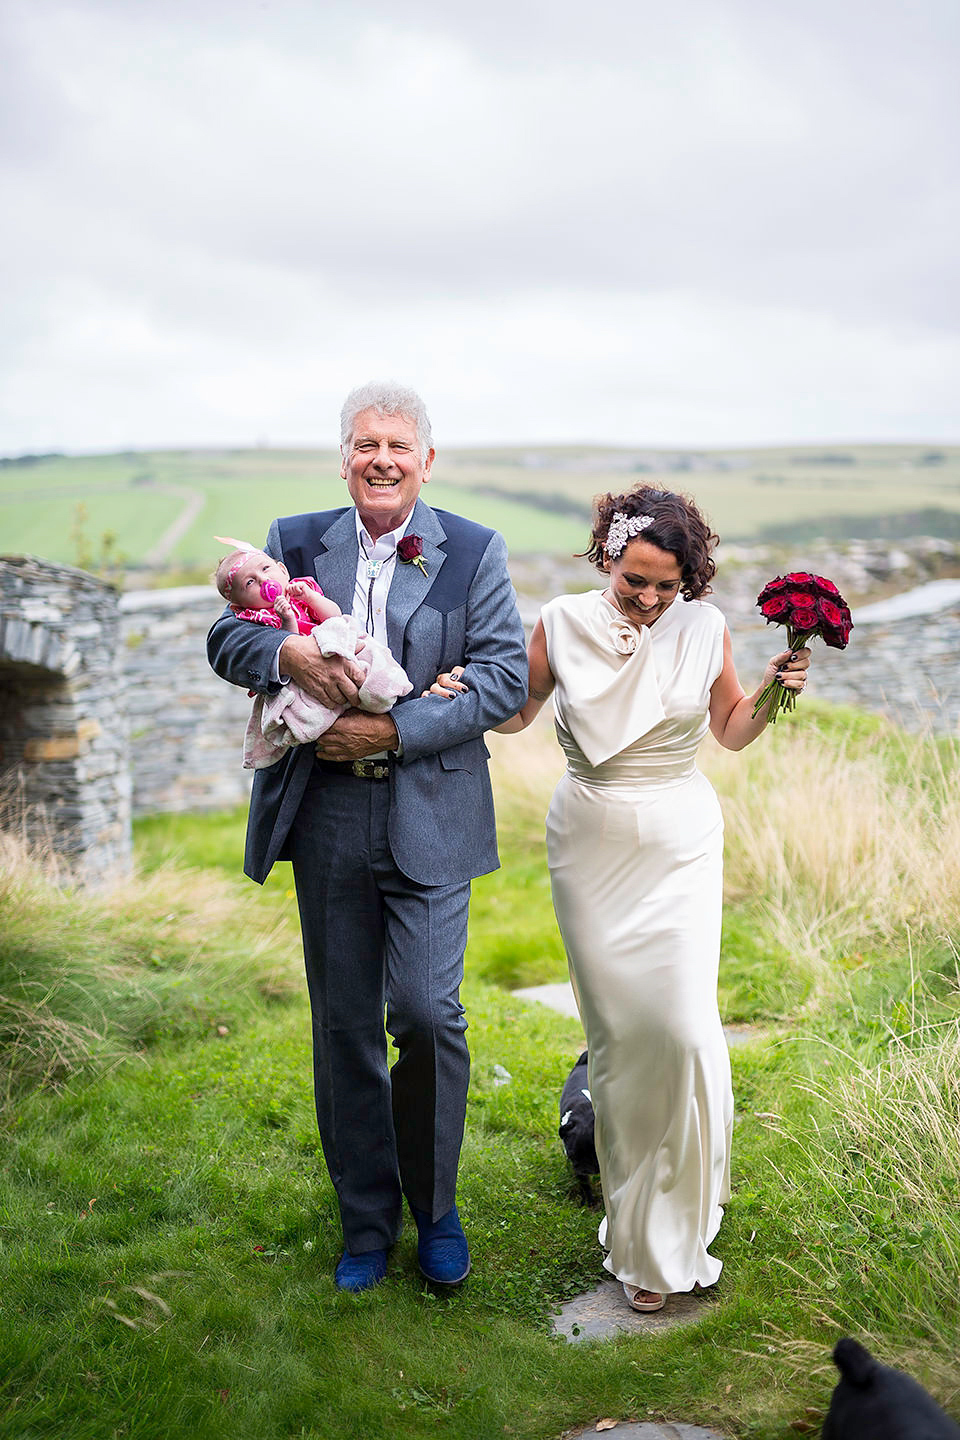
[
  {"x": 158, "y": 553},
  {"x": 194, "y": 503}
]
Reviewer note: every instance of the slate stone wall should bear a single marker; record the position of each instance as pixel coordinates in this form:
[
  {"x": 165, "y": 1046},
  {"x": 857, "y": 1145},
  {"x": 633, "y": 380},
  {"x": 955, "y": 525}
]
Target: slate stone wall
[
  {"x": 110, "y": 709},
  {"x": 64, "y": 747},
  {"x": 186, "y": 725},
  {"x": 905, "y": 669}
]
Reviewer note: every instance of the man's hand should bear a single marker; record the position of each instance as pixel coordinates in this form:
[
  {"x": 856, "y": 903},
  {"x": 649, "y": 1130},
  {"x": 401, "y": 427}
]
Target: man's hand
[
  {"x": 330, "y": 679},
  {"x": 355, "y": 735}
]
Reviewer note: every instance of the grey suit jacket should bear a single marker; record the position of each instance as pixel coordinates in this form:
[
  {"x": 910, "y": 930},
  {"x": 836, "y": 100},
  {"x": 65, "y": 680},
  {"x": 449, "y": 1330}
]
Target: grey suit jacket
[{"x": 463, "y": 611}]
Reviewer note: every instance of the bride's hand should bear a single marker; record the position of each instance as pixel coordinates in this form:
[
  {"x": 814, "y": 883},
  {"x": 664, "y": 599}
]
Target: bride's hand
[
  {"x": 448, "y": 684},
  {"x": 790, "y": 668}
]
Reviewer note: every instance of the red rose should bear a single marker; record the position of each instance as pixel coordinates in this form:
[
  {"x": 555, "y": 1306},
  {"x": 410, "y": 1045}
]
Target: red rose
[
  {"x": 775, "y": 607},
  {"x": 831, "y": 613},
  {"x": 772, "y": 587},
  {"x": 836, "y": 623},
  {"x": 800, "y": 577},
  {"x": 827, "y": 586},
  {"x": 799, "y": 600},
  {"x": 410, "y": 551},
  {"x": 804, "y": 619}
]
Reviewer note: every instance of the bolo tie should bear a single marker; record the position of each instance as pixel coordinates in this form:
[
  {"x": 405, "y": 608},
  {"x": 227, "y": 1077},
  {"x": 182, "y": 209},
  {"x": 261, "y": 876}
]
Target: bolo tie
[{"x": 373, "y": 570}]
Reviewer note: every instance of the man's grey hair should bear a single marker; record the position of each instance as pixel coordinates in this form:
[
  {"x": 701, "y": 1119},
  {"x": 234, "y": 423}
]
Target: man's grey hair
[{"x": 387, "y": 398}]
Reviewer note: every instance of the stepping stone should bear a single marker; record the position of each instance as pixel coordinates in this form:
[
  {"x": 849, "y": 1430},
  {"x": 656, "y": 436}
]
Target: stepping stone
[
  {"x": 557, "y": 997},
  {"x": 604, "y": 1311},
  {"x": 741, "y": 1034},
  {"x": 649, "y": 1430},
  {"x": 560, "y": 997}
]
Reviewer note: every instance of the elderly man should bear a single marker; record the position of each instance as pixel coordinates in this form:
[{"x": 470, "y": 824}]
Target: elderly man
[{"x": 387, "y": 823}]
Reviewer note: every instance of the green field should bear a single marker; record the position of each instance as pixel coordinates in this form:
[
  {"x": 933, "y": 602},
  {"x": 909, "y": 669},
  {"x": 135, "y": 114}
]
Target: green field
[
  {"x": 168, "y": 1232},
  {"x": 540, "y": 498}
]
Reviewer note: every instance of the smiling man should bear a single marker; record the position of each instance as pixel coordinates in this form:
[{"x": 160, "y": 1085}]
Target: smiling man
[{"x": 386, "y": 822}]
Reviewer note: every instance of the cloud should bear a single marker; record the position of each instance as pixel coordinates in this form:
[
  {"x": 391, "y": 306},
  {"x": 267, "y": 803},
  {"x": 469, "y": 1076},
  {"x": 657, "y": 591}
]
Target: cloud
[{"x": 219, "y": 206}]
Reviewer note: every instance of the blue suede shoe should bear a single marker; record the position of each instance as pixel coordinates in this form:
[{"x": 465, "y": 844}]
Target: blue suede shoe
[
  {"x": 442, "y": 1247},
  {"x": 355, "y": 1273}
]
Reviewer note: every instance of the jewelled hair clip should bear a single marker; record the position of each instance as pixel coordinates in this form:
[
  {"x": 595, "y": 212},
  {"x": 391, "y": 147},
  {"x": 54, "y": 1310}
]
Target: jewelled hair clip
[{"x": 623, "y": 529}]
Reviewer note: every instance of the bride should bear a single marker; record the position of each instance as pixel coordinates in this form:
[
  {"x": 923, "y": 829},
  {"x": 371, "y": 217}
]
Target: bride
[{"x": 638, "y": 671}]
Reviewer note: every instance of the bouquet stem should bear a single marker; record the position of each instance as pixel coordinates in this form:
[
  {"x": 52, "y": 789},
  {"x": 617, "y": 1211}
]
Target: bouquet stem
[{"x": 775, "y": 695}]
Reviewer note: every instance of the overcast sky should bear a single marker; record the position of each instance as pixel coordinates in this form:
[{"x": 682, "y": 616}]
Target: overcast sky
[{"x": 721, "y": 222}]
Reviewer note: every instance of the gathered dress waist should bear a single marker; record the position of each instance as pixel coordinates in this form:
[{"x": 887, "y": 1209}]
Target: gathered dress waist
[
  {"x": 632, "y": 776},
  {"x": 638, "y": 766}
]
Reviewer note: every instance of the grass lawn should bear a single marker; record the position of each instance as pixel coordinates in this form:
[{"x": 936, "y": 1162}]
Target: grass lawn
[{"x": 168, "y": 1232}]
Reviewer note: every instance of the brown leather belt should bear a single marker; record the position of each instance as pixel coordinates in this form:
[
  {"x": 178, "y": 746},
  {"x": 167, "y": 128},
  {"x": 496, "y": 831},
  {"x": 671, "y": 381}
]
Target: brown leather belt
[{"x": 359, "y": 769}]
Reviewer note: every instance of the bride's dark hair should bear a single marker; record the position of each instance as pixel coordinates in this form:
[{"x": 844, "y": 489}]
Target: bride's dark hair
[{"x": 677, "y": 527}]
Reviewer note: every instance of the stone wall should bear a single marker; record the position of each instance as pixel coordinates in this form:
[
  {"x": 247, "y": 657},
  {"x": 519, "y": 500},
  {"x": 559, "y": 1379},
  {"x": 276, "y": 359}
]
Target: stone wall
[
  {"x": 905, "y": 668},
  {"x": 186, "y": 725},
  {"x": 110, "y": 706},
  {"x": 64, "y": 751}
]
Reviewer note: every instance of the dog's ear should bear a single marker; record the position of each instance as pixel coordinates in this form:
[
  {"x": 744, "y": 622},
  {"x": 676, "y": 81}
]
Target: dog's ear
[{"x": 854, "y": 1362}]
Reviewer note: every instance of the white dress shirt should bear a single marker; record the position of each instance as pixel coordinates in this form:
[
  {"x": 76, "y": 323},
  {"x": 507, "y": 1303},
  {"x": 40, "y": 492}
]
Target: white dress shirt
[
  {"x": 383, "y": 555},
  {"x": 376, "y": 564}
]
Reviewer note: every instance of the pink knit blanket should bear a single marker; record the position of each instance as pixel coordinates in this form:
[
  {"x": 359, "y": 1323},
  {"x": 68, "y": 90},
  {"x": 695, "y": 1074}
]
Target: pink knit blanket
[{"x": 290, "y": 717}]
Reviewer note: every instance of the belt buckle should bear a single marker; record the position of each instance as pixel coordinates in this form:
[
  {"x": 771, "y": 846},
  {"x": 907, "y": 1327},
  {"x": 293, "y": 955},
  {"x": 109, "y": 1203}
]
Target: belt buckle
[{"x": 369, "y": 770}]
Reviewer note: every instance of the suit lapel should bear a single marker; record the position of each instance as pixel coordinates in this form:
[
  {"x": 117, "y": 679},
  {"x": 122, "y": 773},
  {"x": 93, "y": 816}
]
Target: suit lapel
[
  {"x": 410, "y": 585},
  {"x": 336, "y": 565},
  {"x": 336, "y": 569}
]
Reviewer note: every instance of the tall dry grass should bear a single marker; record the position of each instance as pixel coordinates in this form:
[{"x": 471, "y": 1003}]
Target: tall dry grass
[
  {"x": 525, "y": 769},
  {"x": 89, "y": 978},
  {"x": 843, "y": 835},
  {"x": 845, "y": 840},
  {"x": 883, "y": 1139}
]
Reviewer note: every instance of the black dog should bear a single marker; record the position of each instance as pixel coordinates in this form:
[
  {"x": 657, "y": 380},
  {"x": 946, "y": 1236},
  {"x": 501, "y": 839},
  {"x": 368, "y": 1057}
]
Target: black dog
[
  {"x": 873, "y": 1402},
  {"x": 576, "y": 1129}
]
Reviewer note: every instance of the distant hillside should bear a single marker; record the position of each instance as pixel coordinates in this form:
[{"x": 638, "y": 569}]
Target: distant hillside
[{"x": 162, "y": 508}]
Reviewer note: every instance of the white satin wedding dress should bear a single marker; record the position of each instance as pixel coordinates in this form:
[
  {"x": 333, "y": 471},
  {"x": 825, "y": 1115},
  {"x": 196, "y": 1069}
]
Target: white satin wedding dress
[{"x": 635, "y": 849}]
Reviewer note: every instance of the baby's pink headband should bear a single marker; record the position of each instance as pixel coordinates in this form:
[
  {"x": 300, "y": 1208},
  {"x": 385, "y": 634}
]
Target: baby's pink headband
[{"x": 242, "y": 545}]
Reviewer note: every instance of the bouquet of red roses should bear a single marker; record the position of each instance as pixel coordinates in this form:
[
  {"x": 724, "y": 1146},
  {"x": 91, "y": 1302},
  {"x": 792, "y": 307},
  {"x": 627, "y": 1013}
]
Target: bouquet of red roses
[{"x": 808, "y": 605}]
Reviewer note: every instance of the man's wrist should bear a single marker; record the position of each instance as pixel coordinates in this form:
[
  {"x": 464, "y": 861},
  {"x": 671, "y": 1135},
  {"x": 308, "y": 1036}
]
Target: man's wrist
[
  {"x": 391, "y": 743},
  {"x": 288, "y": 654}
]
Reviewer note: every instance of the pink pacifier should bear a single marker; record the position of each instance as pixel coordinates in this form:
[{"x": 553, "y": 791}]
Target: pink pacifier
[{"x": 270, "y": 591}]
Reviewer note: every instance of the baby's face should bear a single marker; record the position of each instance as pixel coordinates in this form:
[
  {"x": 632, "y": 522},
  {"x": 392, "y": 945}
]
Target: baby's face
[{"x": 246, "y": 591}]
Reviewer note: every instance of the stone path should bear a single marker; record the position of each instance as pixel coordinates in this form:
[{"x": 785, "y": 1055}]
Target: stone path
[
  {"x": 557, "y": 997},
  {"x": 560, "y": 997},
  {"x": 649, "y": 1430},
  {"x": 604, "y": 1311}
]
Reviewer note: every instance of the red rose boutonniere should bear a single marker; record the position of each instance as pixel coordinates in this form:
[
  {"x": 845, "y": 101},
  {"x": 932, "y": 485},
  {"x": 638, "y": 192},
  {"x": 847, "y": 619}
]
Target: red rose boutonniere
[
  {"x": 410, "y": 550},
  {"x": 808, "y": 605}
]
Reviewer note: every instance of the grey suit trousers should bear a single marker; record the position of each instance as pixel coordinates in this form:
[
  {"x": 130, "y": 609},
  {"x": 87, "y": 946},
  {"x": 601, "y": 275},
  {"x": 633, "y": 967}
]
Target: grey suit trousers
[{"x": 375, "y": 940}]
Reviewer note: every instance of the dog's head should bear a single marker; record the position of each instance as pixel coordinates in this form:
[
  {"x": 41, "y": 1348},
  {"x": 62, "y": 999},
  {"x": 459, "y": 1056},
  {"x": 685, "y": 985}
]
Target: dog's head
[{"x": 874, "y": 1402}]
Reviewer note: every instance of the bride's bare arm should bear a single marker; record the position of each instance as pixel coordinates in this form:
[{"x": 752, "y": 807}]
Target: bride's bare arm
[
  {"x": 540, "y": 686},
  {"x": 450, "y": 683},
  {"x": 731, "y": 711}
]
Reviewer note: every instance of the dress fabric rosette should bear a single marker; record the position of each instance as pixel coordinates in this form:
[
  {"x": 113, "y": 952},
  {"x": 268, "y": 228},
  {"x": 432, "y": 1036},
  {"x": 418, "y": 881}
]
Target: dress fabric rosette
[
  {"x": 634, "y": 843},
  {"x": 607, "y": 695}
]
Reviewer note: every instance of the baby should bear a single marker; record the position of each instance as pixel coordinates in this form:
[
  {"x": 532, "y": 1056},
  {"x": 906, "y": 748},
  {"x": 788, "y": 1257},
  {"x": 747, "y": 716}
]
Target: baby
[{"x": 259, "y": 589}]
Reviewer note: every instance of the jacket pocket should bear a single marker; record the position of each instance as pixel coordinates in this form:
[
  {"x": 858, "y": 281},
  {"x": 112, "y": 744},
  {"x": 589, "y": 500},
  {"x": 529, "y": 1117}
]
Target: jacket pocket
[{"x": 470, "y": 755}]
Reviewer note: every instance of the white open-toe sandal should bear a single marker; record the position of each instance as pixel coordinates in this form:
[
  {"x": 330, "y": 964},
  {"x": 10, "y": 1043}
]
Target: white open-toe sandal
[{"x": 652, "y": 1301}]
